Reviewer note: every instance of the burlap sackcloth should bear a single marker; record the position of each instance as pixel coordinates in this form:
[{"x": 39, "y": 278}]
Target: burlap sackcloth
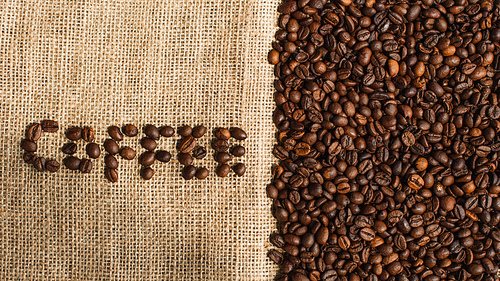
[{"x": 101, "y": 63}]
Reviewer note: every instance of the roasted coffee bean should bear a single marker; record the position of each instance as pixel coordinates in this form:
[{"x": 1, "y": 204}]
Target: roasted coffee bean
[
  {"x": 238, "y": 133},
  {"x": 275, "y": 256},
  {"x": 74, "y": 133},
  {"x": 50, "y": 126},
  {"x": 222, "y": 157},
  {"x": 130, "y": 130},
  {"x": 147, "y": 158},
  {"x": 185, "y": 159},
  {"x": 167, "y": 131},
  {"x": 111, "y": 146},
  {"x": 34, "y": 132},
  {"x": 88, "y": 134},
  {"x": 238, "y": 150},
  {"x": 28, "y": 145},
  {"x": 199, "y": 152},
  {"x": 111, "y": 174},
  {"x": 52, "y": 166},
  {"x": 185, "y": 131},
  {"x": 39, "y": 164},
  {"x": 201, "y": 173},
  {"x": 127, "y": 153},
  {"x": 220, "y": 145},
  {"x": 147, "y": 173},
  {"x": 199, "y": 131},
  {"x": 222, "y": 134},
  {"x": 148, "y": 144},
  {"x": 72, "y": 163},
  {"x": 223, "y": 170},
  {"x": 85, "y": 166},
  {"x": 69, "y": 148},
  {"x": 29, "y": 157},
  {"x": 151, "y": 132},
  {"x": 111, "y": 162},
  {"x": 92, "y": 149},
  {"x": 239, "y": 169},
  {"x": 187, "y": 144},
  {"x": 188, "y": 172},
  {"x": 115, "y": 133}
]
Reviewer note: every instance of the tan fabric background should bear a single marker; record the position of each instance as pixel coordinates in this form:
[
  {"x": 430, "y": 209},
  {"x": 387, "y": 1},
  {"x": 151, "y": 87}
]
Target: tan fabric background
[{"x": 101, "y": 63}]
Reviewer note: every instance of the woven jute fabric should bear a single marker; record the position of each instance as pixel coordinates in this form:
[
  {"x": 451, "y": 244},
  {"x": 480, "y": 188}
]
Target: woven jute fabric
[{"x": 101, "y": 63}]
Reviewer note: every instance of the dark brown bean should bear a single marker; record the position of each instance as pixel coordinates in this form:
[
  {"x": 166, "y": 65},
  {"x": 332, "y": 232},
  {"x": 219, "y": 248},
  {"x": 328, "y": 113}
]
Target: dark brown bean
[
  {"x": 151, "y": 132},
  {"x": 127, "y": 153},
  {"x": 93, "y": 150},
  {"x": 115, "y": 133}
]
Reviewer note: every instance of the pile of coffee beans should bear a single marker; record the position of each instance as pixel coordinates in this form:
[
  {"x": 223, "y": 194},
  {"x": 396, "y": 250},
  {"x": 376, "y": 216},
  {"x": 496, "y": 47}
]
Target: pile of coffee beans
[
  {"x": 189, "y": 150},
  {"x": 30, "y": 146},
  {"x": 223, "y": 154},
  {"x": 92, "y": 149},
  {"x": 388, "y": 124}
]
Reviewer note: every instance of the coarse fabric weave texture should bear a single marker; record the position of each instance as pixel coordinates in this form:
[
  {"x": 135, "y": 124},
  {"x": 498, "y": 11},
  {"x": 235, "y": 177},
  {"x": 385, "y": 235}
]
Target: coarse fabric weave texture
[{"x": 102, "y": 63}]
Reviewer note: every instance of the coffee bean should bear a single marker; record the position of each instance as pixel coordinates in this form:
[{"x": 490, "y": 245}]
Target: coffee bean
[
  {"x": 223, "y": 170},
  {"x": 147, "y": 158},
  {"x": 188, "y": 172},
  {"x": 127, "y": 153},
  {"x": 187, "y": 144},
  {"x": 222, "y": 134},
  {"x": 222, "y": 157},
  {"x": 93, "y": 150},
  {"x": 220, "y": 145},
  {"x": 50, "y": 126},
  {"x": 201, "y": 173},
  {"x": 85, "y": 166},
  {"x": 199, "y": 152},
  {"x": 130, "y": 130},
  {"x": 69, "y": 148},
  {"x": 111, "y": 174},
  {"x": 34, "y": 132},
  {"x": 28, "y": 145},
  {"x": 367, "y": 234},
  {"x": 52, "y": 166},
  {"x": 185, "y": 131},
  {"x": 239, "y": 169},
  {"x": 167, "y": 131},
  {"x": 199, "y": 131},
  {"x": 163, "y": 156},
  {"x": 74, "y": 133},
  {"x": 72, "y": 163},
  {"x": 39, "y": 164},
  {"x": 238, "y": 150},
  {"x": 29, "y": 157},
  {"x": 88, "y": 134},
  {"x": 415, "y": 182},
  {"x": 111, "y": 146},
  {"x": 111, "y": 162},
  {"x": 147, "y": 173},
  {"x": 148, "y": 144},
  {"x": 115, "y": 133},
  {"x": 151, "y": 132},
  {"x": 238, "y": 133},
  {"x": 275, "y": 256},
  {"x": 185, "y": 159}
]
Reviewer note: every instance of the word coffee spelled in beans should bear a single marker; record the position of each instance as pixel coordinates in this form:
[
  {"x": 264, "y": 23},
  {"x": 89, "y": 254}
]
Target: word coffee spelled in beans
[
  {"x": 388, "y": 122},
  {"x": 114, "y": 147}
]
